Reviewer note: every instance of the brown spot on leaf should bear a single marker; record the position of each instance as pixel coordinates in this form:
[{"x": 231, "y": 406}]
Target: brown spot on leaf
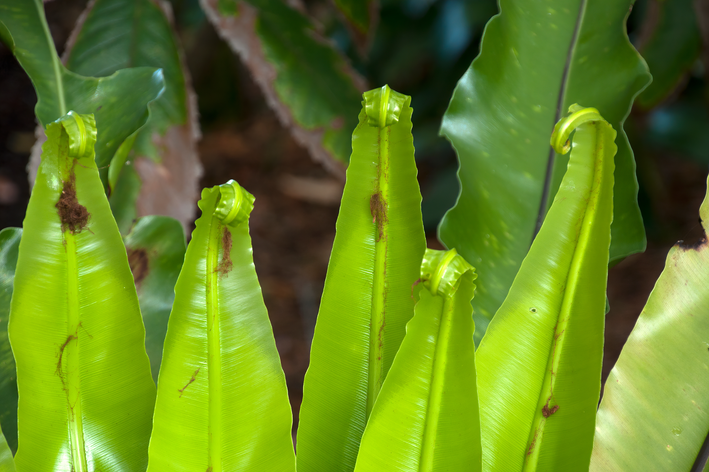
[
  {"x": 194, "y": 377},
  {"x": 138, "y": 262},
  {"x": 547, "y": 412},
  {"x": 73, "y": 215},
  {"x": 377, "y": 206},
  {"x": 225, "y": 265}
]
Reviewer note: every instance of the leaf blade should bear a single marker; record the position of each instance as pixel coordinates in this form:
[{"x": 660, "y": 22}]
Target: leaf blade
[
  {"x": 498, "y": 121},
  {"x": 368, "y": 295},
  {"x": 539, "y": 364},
  {"x": 222, "y": 398}
]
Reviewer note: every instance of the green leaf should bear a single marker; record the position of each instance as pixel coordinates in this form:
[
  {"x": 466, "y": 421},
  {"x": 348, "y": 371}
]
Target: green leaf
[
  {"x": 135, "y": 33},
  {"x": 118, "y": 102},
  {"x": 304, "y": 78},
  {"x": 7, "y": 464},
  {"x": 537, "y": 58},
  {"x": 222, "y": 400},
  {"x": 670, "y": 47},
  {"x": 654, "y": 410},
  {"x": 86, "y": 396},
  {"x": 362, "y": 17},
  {"x": 9, "y": 244},
  {"x": 368, "y": 296},
  {"x": 539, "y": 364},
  {"x": 426, "y": 416},
  {"x": 156, "y": 249}
]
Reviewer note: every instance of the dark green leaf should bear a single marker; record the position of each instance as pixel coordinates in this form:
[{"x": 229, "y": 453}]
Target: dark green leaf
[
  {"x": 119, "y": 102},
  {"x": 536, "y": 59},
  {"x": 156, "y": 249},
  {"x": 136, "y": 33},
  {"x": 308, "y": 82},
  {"x": 9, "y": 245},
  {"x": 670, "y": 47},
  {"x": 362, "y": 17},
  {"x": 7, "y": 464}
]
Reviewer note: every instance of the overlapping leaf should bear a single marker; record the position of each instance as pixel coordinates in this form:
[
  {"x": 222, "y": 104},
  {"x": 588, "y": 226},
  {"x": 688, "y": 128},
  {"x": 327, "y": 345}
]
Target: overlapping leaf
[
  {"x": 9, "y": 244},
  {"x": 119, "y": 102},
  {"x": 156, "y": 249},
  {"x": 671, "y": 46},
  {"x": 368, "y": 296},
  {"x": 539, "y": 364},
  {"x": 7, "y": 464},
  {"x": 222, "y": 400},
  {"x": 536, "y": 59},
  {"x": 655, "y": 409},
  {"x": 117, "y": 34},
  {"x": 305, "y": 80},
  {"x": 85, "y": 392},
  {"x": 426, "y": 416}
]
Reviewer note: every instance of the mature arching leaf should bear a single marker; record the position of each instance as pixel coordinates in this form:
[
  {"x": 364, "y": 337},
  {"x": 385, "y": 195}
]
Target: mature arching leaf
[
  {"x": 368, "y": 296},
  {"x": 135, "y": 33},
  {"x": 304, "y": 78},
  {"x": 9, "y": 245},
  {"x": 118, "y": 102},
  {"x": 536, "y": 59},
  {"x": 222, "y": 400},
  {"x": 655, "y": 409},
  {"x": 426, "y": 416},
  {"x": 539, "y": 364},
  {"x": 156, "y": 249},
  {"x": 85, "y": 392}
]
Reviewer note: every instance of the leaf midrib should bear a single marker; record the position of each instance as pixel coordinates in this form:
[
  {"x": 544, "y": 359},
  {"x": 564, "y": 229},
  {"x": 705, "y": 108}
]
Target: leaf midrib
[
  {"x": 546, "y": 189},
  {"x": 214, "y": 366}
]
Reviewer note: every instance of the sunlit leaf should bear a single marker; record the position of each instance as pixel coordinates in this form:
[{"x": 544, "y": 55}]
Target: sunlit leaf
[
  {"x": 222, "y": 399},
  {"x": 426, "y": 416},
  {"x": 655, "y": 409},
  {"x": 85, "y": 392},
  {"x": 368, "y": 296},
  {"x": 539, "y": 364},
  {"x": 7, "y": 464}
]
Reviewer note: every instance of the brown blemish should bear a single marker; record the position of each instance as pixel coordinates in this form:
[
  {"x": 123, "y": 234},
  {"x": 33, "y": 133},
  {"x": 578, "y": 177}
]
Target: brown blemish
[
  {"x": 138, "y": 262},
  {"x": 60, "y": 355},
  {"x": 418, "y": 281},
  {"x": 377, "y": 206},
  {"x": 547, "y": 412},
  {"x": 194, "y": 376},
  {"x": 533, "y": 443},
  {"x": 225, "y": 265},
  {"x": 73, "y": 215}
]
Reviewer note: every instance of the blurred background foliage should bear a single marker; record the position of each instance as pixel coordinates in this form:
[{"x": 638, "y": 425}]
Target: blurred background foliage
[{"x": 420, "y": 48}]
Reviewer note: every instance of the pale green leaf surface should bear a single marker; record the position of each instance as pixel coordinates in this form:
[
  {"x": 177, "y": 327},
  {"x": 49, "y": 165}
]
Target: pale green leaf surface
[
  {"x": 305, "y": 79},
  {"x": 655, "y": 409},
  {"x": 9, "y": 244},
  {"x": 544, "y": 347},
  {"x": 7, "y": 464},
  {"x": 222, "y": 400},
  {"x": 368, "y": 296},
  {"x": 156, "y": 249},
  {"x": 119, "y": 102},
  {"x": 86, "y": 396},
  {"x": 530, "y": 69},
  {"x": 426, "y": 416},
  {"x": 671, "y": 48}
]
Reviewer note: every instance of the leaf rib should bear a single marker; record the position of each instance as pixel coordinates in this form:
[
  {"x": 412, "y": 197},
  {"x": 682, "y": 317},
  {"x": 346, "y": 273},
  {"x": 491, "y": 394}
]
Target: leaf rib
[
  {"x": 214, "y": 367},
  {"x": 69, "y": 351}
]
